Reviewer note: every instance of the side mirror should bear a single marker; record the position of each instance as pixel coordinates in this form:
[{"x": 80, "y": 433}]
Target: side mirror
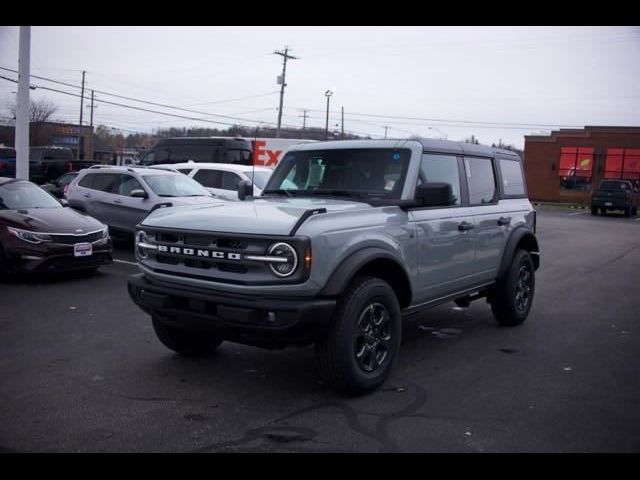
[
  {"x": 138, "y": 193},
  {"x": 245, "y": 189},
  {"x": 434, "y": 194},
  {"x": 64, "y": 202}
]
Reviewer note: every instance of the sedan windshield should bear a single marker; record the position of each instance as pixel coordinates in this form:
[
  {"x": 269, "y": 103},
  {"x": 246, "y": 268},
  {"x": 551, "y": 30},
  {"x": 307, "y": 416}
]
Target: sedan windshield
[
  {"x": 23, "y": 195},
  {"x": 371, "y": 172},
  {"x": 175, "y": 186}
]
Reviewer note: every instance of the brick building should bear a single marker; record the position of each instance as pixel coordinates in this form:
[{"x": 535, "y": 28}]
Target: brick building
[
  {"x": 44, "y": 134},
  {"x": 566, "y": 165}
]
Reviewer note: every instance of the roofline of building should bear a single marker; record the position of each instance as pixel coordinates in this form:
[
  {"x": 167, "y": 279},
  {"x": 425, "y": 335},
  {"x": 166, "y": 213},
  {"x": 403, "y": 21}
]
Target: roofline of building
[{"x": 584, "y": 132}]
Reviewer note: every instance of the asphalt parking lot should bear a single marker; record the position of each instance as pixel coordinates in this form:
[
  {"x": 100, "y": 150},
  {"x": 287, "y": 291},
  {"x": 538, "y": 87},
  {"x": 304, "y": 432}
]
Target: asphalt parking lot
[{"x": 81, "y": 369}]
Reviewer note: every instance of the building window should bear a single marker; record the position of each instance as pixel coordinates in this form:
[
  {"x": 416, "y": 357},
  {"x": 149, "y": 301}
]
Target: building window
[
  {"x": 623, "y": 163},
  {"x": 576, "y": 166}
]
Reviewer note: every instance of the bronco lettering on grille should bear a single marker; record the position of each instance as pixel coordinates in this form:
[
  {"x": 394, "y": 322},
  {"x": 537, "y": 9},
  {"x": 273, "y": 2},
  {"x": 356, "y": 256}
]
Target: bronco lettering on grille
[{"x": 198, "y": 252}]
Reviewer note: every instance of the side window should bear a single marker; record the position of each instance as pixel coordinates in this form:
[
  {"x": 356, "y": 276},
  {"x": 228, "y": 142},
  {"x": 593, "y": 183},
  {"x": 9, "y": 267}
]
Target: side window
[
  {"x": 87, "y": 180},
  {"x": 481, "y": 180},
  {"x": 105, "y": 182},
  {"x": 230, "y": 181},
  {"x": 208, "y": 178},
  {"x": 126, "y": 184},
  {"x": 512, "y": 178},
  {"x": 441, "y": 168}
]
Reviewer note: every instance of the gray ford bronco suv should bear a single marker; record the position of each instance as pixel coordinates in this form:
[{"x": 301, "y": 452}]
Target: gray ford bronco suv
[{"x": 347, "y": 238}]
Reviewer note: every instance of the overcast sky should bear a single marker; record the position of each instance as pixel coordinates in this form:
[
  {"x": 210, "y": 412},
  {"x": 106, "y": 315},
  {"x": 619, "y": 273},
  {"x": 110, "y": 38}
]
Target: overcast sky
[{"x": 429, "y": 81}]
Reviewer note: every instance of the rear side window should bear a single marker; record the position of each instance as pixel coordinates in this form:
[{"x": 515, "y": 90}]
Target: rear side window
[
  {"x": 480, "y": 180},
  {"x": 512, "y": 178},
  {"x": 87, "y": 180},
  {"x": 106, "y": 182},
  {"x": 208, "y": 178}
]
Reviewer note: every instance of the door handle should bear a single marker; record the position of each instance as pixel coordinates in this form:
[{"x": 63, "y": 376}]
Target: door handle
[
  {"x": 86, "y": 195},
  {"x": 464, "y": 226},
  {"x": 117, "y": 201},
  {"x": 504, "y": 221}
]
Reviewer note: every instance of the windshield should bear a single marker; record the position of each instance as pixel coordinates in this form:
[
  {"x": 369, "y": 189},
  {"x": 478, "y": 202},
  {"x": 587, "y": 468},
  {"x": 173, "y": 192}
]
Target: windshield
[
  {"x": 370, "y": 172},
  {"x": 260, "y": 179},
  {"x": 25, "y": 195},
  {"x": 614, "y": 186},
  {"x": 175, "y": 186}
]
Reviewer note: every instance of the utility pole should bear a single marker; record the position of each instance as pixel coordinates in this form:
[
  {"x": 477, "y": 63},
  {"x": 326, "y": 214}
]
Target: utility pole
[
  {"x": 80, "y": 126},
  {"x": 282, "y": 80},
  {"x": 342, "y": 124},
  {"x": 327, "y": 94},
  {"x": 304, "y": 119},
  {"x": 92, "y": 145},
  {"x": 22, "y": 107}
]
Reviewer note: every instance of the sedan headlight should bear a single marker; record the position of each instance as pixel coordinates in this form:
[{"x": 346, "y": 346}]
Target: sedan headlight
[
  {"x": 30, "y": 237},
  {"x": 289, "y": 257}
]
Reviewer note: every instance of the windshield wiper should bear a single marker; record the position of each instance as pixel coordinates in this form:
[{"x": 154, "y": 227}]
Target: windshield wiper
[
  {"x": 288, "y": 193},
  {"x": 337, "y": 193}
]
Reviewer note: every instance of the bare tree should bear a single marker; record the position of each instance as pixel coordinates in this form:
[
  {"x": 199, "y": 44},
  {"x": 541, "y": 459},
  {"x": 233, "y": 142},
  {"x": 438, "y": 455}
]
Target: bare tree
[{"x": 39, "y": 110}]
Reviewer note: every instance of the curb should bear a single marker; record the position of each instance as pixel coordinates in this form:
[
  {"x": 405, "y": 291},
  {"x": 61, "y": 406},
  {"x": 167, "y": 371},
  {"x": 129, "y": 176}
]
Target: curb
[{"x": 564, "y": 205}]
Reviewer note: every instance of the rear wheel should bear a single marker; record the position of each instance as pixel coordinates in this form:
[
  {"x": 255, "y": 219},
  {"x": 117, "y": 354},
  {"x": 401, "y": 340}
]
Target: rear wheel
[
  {"x": 594, "y": 210},
  {"x": 627, "y": 211},
  {"x": 603, "y": 211},
  {"x": 513, "y": 295},
  {"x": 357, "y": 353},
  {"x": 186, "y": 342},
  {"x": 634, "y": 211}
]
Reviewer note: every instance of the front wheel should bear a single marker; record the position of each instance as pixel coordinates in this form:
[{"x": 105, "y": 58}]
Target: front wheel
[
  {"x": 513, "y": 294},
  {"x": 594, "y": 210},
  {"x": 185, "y": 342},
  {"x": 634, "y": 211},
  {"x": 627, "y": 212},
  {"x": 357, "y": 353}
]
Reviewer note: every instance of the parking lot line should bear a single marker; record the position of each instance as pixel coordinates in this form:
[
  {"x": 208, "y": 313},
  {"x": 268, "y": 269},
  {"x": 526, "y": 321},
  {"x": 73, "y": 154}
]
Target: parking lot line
[
  {"x": 124, "y": 261},
  {"x": 578, "y": 213}
]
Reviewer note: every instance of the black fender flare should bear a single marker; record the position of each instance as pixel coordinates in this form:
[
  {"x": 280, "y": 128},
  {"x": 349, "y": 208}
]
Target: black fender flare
[
  {"x": 342, "y": 275},
  {"x": 517, "y": 235}
]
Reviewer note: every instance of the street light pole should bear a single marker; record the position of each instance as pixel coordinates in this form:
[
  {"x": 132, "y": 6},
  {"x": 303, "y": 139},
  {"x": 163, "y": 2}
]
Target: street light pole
[
  {"x": 327, "y": 94},
  {"x": 22, "y": 107}
]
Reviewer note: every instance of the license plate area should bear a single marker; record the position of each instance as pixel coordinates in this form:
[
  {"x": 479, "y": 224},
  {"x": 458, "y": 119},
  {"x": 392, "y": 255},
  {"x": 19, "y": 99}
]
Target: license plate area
[
  {"x": 82, "y": 250},
  {"x": 608, "y": 204}
]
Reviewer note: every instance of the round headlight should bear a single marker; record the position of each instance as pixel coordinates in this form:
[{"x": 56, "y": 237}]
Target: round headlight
[
  {"x": 141, "y": 237},
  {"x": 286, "y": 252}
]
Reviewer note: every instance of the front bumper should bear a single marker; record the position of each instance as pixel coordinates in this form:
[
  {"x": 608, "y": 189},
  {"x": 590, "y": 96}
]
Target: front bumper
[
  {"x": 55, "y": 258},
  {"x": 266, "y": 321}
]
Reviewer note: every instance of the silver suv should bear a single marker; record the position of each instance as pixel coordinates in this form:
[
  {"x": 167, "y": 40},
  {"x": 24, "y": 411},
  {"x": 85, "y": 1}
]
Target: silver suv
[
  {"x": 347, "y": 238},
  {"x": 122, "y": 196}
]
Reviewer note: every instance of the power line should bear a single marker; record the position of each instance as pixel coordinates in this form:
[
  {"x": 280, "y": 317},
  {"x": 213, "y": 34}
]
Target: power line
[{"x": 157, "y": 104}]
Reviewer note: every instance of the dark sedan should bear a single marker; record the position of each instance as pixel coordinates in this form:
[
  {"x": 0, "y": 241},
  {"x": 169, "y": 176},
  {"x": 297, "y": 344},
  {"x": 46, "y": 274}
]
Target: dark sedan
[{"x": 38, "y": 234}]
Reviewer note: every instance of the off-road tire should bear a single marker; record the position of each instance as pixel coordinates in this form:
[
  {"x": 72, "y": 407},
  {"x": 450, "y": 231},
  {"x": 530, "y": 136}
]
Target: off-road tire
[
  {"x": 513, "y": 295},
  {"x": 354, "y": 341}
]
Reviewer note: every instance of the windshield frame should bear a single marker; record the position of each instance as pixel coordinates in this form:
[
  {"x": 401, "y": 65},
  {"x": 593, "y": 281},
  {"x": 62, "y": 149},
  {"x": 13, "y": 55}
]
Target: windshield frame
[{"x": 285, "y": 167}]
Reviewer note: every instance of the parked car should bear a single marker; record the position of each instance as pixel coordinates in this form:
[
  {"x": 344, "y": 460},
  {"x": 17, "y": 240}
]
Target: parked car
[
  {"x": 49, "y": 163},
  {"x": 58, "y": 187},
  {"x": 37, "y": 233},
  {"x": 198, "y": 149},
  {"x": 122, "y": 196},
  {"x": 615, "y": 195},
  {"x": 347, "y": 239},
  {"x": 222, "y": 179},
  {"x": 7, "y": 161}
]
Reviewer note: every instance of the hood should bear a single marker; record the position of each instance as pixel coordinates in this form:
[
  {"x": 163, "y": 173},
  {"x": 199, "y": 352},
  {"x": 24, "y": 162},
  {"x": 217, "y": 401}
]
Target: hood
[
  {"x": 261, "y": 216},
  {"x": 191, "y": 200},
  {"x": 50, "y": 220}
]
